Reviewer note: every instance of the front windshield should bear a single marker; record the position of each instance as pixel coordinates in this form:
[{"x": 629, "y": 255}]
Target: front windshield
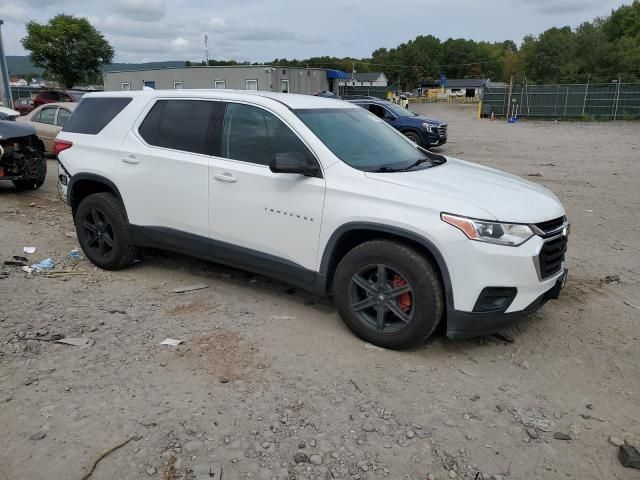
[
  {"x": 398, "y": 111},
  {"x": 362, "y": 140}
]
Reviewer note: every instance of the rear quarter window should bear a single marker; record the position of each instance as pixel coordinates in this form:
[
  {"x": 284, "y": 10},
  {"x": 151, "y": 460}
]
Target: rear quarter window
[{"x": 93, "y": 114}]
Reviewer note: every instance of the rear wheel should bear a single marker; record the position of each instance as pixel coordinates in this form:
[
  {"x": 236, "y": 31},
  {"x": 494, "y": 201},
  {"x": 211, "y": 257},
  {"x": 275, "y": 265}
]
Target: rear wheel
[
  {"x": 388, "y": 294},
  {"x": 103, "y": 232}
]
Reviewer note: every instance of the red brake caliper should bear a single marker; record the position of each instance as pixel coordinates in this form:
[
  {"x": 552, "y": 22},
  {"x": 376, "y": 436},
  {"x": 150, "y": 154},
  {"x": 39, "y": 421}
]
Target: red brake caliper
[{"x": 404, "y": 300}]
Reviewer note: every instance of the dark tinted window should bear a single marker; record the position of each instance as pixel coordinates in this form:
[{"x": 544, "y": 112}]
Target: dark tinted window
[
  {"x": 149, "y": 127},
  {"x": 254, "y": 135},
  {"x": 186, "y": 125},
  {"x": 93, "y": 114}
]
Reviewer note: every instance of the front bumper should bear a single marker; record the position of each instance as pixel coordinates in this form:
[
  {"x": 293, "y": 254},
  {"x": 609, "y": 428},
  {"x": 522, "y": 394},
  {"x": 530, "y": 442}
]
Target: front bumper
[{"x": 472, "y": 324}]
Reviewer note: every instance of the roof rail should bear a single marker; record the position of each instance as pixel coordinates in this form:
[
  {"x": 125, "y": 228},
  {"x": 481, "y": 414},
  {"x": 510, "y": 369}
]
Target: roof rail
[{"x": 359, "y": 97}]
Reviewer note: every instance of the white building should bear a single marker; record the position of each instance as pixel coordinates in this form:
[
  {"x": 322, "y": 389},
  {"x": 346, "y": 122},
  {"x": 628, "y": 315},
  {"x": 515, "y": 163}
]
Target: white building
[{"x": 367, "y": 79}]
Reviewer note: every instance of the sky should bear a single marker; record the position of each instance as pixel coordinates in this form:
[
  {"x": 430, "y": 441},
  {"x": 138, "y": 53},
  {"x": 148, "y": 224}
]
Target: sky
[{"x": 262, "y": 30}]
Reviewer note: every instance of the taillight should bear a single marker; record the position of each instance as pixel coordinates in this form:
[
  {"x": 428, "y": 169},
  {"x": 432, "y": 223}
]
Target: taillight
[{"x": 60, "y": 146}]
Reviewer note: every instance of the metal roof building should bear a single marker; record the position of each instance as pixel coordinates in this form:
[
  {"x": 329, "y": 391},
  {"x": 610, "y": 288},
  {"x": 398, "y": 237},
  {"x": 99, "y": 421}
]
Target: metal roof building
[{"x": 268, "y": 78}]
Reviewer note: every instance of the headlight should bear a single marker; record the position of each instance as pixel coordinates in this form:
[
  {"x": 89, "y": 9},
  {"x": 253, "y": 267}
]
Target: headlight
[
  {"x": 430, "y": 127},
  {"x": 510, "y": 234}
]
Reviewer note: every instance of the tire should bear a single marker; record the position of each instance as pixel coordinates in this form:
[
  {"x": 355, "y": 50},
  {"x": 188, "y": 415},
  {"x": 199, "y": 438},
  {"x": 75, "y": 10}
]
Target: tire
[
  {"x": 356, "y": 284},
  {"x": 34, "y": 183},
  {"x": 103, "y": 232},
  {"x": 413, "y": 136}
]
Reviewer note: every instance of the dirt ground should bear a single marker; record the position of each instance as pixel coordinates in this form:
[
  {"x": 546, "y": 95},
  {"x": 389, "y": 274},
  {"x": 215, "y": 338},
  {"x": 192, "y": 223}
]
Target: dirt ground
[{"x": 268, "y": 375}]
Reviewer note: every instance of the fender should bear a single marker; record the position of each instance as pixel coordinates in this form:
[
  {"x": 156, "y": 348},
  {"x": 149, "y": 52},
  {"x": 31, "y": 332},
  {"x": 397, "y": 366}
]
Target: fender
[
  {"x": 398, "y": 232},
  {"x": 94, "y": 178}
]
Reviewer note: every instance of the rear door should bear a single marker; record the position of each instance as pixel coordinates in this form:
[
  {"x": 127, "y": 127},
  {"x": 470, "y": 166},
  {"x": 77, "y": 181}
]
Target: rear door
[
  {"x": 162, "y": 169},
  {"x": 45, "y": 125},
  {"x": 270, "y": 218}
]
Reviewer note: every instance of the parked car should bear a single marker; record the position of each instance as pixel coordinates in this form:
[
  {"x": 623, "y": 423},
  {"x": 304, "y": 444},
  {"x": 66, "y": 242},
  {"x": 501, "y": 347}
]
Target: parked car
[
  {"x": 8, "y": 114},
  {"x": 56, "y": 96},
  {"x": 319, "y": 193},
  {"x": 328, "y": 94},
  {"x": 426, "y": 132},
  {"x": 48, "y": 120},
  {"x": 21, "y": 156},
  {"x": 23, "y": 105}
]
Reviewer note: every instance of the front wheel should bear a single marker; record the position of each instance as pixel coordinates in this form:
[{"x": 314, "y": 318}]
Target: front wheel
[
  {"x": 388, "y": 294},
  {"x": 414, "y": 137},
  {"x": 103, "y": 232}
]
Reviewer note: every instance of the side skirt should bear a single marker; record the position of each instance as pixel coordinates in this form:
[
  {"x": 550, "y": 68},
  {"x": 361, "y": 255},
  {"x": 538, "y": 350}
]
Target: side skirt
[{"x": 228, "y": 254}]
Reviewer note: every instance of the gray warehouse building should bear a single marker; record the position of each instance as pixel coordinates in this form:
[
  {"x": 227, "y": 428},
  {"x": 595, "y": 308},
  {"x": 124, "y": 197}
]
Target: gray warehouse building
[{"x": 238, "y": 77}]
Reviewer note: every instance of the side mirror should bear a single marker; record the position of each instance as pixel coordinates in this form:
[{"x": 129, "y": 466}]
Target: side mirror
[{"x": 294, "y": 162}]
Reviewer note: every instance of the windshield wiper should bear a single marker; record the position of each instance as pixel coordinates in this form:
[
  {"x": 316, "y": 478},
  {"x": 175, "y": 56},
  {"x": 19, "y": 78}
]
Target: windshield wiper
[{"x": 420, "y": 161}]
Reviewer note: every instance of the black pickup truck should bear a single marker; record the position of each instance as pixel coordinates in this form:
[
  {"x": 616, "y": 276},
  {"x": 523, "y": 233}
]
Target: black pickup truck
[{"x": 22, "y": 158}]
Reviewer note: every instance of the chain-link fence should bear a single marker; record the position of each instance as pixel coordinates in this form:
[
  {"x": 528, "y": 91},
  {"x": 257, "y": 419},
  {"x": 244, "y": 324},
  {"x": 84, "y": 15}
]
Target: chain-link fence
[{"x": 615, "y": 101}]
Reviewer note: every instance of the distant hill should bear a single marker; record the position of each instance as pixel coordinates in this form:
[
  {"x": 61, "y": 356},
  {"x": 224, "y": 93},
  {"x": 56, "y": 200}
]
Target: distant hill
[{"x": 20, "y": 65}]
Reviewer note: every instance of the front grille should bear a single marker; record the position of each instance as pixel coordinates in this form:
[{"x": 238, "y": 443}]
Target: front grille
[
  {"x": 442, "y": 130},
  {"x": 550, "y": 227},
  {"x": 551, "y": 256}
]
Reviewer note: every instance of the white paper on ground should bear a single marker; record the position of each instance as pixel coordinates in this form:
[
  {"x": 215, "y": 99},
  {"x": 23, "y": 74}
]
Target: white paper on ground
[
  {"x": 172, "y": 342},
  {"x": 29, "y": 249}
]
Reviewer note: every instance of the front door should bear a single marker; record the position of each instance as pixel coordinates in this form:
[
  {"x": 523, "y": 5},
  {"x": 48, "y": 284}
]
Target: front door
[
  {"x": 162, "y": 169},
  {"x": 272, "y": 219},
  {"x": 46, "y": 126}
]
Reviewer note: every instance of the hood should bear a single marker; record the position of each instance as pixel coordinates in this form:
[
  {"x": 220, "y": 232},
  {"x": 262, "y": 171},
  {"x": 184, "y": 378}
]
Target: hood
[
  {"x": 432, "y": 121},
  {"x": 9, "y": 129},
  {"x": 503, "y": 196}
]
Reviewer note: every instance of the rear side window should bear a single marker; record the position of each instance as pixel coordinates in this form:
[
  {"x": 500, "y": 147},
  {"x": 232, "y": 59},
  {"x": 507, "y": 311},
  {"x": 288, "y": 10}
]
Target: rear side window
[
  {"x": 93, "y": 114},
  {"x": 186, "y": 125},
  {"x": 46, "y": 115}
]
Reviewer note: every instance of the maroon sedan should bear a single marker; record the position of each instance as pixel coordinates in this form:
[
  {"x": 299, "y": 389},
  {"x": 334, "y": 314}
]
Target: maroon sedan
[{"x": 56, "y": 96}]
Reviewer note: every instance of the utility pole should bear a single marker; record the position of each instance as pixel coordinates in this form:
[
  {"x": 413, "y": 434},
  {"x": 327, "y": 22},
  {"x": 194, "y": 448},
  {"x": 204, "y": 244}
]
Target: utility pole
[{"x": 4, "y": 70}]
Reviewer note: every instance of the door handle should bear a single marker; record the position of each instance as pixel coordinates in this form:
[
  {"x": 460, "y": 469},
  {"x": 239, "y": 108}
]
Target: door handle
[
  {"x": 130, "y": 159},
  {"x": 225, "y": 177}
]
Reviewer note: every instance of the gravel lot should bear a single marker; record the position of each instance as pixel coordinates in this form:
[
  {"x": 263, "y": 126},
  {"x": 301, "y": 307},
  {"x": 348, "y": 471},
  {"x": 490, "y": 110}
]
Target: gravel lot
[{"x": 268, "y": 382}]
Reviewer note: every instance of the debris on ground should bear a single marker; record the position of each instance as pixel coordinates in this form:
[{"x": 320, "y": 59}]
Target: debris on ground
[
  {"x": 535, "y": 174},
  {"x": 29, "y": 250},
  {"x": 104, "y": 454},
  {"x": 37, "y": 435},
  {"x": 615, "y": 441},
  {"x": 629, "y": 456},
  {"x": 172, "y": 342},
  {"x": 75, "y": 342},
  {"x": 190, "y": 288},
  {"x": 46, "y": 264},
  {"x": 611, "y": 280},
  {"x": 632, "y": 305},
  {"x": 16, "y": 261},
  {"x": 27, "y": 270},
  {"x": 74, "y": 254},
  {"x": 561, "y": 436}
]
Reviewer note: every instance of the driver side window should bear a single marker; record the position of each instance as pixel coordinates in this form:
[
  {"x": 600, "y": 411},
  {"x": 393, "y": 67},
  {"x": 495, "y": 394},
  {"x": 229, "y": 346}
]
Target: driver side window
[
  {"x": 251, "y": 134},
  {"x": 377, "y": 110}
]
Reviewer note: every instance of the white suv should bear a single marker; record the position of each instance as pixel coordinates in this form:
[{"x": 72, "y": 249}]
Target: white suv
[{"x": 319, "y": 193}]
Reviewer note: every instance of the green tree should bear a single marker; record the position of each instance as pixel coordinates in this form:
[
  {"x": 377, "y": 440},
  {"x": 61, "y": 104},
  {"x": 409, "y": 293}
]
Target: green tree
[
  {"x": 67, "y": 47},
  {"x": 551, "y": 57}
]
